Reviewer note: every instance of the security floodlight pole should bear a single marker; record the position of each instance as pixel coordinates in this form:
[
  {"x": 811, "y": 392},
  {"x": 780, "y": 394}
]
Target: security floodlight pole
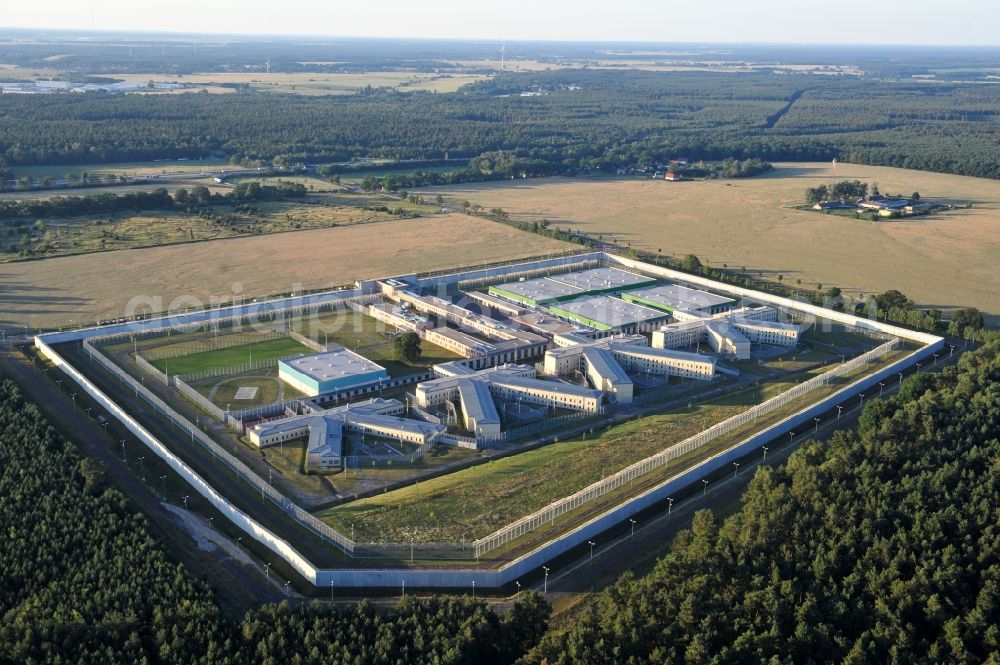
[
  {"x": 816, "y": 429},
  {"x": 670, "y": 505},
  {"x": 900, "y": 379},
  {"x": 331, "y": 591},
  {"x": 633, "y": 527},
  {"x": 592, "y": 544},
  {"x": 125, "y": 461},
  {"x": 142, "y": 469},
  {"x": 287, "y": 588},
  {"x": 473, "y": 589},
  {"x": 791, "y": 436},
  {"x": 518, "y": 588},
  {"x": 186, "y": 497},
  {"x": 840, "y": 409},
  {"x": 881, "y": 387},
  {"x": 736, "y": 469},
  {"x": 765, "y": 453},
  {"x": 545, "y": 581},
  {"x": 705, "y": 491},
  {"x": 163, "y": 482},
  {"x": 267, "y": 571}
]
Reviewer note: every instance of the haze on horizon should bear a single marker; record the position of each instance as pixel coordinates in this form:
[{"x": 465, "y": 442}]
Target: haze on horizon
[{"x": 958, "y": 22}]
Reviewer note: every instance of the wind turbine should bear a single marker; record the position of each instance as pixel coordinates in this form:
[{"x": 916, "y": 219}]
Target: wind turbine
[{"x": 503, "y": 54}]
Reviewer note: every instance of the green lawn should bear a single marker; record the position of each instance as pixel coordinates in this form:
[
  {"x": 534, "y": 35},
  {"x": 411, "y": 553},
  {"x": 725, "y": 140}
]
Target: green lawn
[{"x": 222, "y": 358}]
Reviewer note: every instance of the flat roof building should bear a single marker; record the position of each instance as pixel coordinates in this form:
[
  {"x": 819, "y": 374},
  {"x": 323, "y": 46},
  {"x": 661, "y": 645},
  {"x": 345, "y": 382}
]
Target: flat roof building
[
  {"x": 566, "y": 286},
  {"x": 670, "y": 297},
  {"x": 608, "y": 313},
  {"x": 331, "y": 370}
]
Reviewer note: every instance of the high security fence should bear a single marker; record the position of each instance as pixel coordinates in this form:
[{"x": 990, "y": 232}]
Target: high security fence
[
  {"x": 149, "y": 369},
  {"x": 626, "y": 475},
  {"x": 203, "y": 402},
  {"x": 218, "y": 452}
]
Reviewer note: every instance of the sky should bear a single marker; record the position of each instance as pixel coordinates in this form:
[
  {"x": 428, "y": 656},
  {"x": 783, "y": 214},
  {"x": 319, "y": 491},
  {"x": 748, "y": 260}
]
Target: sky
[{"x": 954, "y": 22}]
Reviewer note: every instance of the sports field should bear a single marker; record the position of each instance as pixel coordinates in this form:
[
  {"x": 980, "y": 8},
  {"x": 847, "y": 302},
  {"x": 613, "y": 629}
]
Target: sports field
[
  {"x": 73, "y": 290},
  {"x": 221, "y": 358},
  {"x": 939, "y": 260}
]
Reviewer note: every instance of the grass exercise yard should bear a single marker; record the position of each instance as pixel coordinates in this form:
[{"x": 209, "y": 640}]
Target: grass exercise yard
[{"x": 203, "y": 361}]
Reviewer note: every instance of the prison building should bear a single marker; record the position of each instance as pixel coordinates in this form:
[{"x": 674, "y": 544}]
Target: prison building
[
  {"x": 727, "y": 340},
  {"x": 607, "y": 375},
  {"x": 492, "y": 304},
  {"x": 568, "y": 286},
  {"x": 546, "y": 393},
  {"x": 611, "y": 315},
  {"x": 679, "y": 335},
  {"x": 545, "y": 324},
  {"x": 325, "y": 430},
  {"x": 459, "y": 342},
  {"x": 332, "y": 370},
  {"x": 646, "y": 360},
  {"x": 398, "y": 318},
  {"x": 768, "y": 332},
  {"x": 671, "y": 297},
  {"x": 478, "y": 409}
]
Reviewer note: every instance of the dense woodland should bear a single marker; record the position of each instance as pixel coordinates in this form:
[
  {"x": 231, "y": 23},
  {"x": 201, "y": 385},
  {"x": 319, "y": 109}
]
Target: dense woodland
[
  {"x": 576, "y": 119},
  {"x": 82, "y": 581},
  {"x": 881, "y": 546}
]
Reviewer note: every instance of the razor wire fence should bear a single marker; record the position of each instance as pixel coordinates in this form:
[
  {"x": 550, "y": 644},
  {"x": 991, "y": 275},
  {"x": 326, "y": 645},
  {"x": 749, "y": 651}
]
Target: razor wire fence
[
  {"x": 200, "y": 400},
  {"x": 227, "y": 341},
  {"x": 626, "y": 475}
]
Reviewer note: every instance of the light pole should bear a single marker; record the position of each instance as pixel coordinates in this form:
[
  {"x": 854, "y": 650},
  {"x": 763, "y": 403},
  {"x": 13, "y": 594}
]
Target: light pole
[
  {"x": 633, "y": 527},
  {"x": 791, "y": 436},
  {"x": 765, "y": 453},
  {"x": 142, "y": 469},
  {"x": 518, "y": 594},
  {"x": 935, "y": 360},
  {"x": 73, "y": 397},
  {"x": 736, "y": 469},
  {"x": 545, "y": 582},
  {"x": 473, "y": 589},
  {"x": 163, "y": 482},
  {"x": 186, "y": 497},
  {"x": 670, "y": 505},
  {"x": 237, "y": 541},
  {"x": 125, "y": 461},
  {"x": 210, "y": 522},
  {"x": 705, "y": 491},
  {"x": 267, "y": 572},
  {"x": 592, "y": 544},
  {"x": 288, "y": 592},
  {"x": 918, "y": 368},
  {"x": 861, "y": 404},
  {"x": 900, "y": 379},
  {"x": 402, "y": 592},
  {"x": 816, "y": 429},
  {"x": 881, "y": 387},
  {"x": 840, "y": 410},
  {"x": 331, "y": 581}
]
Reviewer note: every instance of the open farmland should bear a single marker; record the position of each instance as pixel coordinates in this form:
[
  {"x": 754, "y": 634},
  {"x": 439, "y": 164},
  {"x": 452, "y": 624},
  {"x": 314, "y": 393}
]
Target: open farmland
[
  {"x": 310, "y": 83},
  {"x": 123, "y": 168},
  {"x": 79, "y": 289},
  {"x": 940, "y": 260}
]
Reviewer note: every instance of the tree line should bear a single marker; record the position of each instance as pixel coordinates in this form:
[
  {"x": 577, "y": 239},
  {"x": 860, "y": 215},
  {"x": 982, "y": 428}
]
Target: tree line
[
  {"x": 158, "y": 199},
  {"x": 575, "y": 119},
  {"x": 880, "y": 546},
  {"x": 83, "y": 581}
]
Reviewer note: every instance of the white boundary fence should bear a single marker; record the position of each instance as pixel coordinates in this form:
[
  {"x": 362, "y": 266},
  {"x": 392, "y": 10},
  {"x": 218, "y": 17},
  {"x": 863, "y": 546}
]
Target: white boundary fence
[
  {"x": 307, "y": 341},
  {"x": 239, "y": 468},
  {"x": 626, "y": 475},
  {"x": 198, "y": 399},
  {"x": 149, "y": 369},
  {"x": 241, "y": 368}
]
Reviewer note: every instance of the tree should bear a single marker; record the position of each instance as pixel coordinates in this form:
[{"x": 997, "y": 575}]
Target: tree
[
  {"x": 962, "y": 319},
  {"x": 891, "y": 299},
  {"x": 915, "y": 196},
  {"x": 691, "y": 263},
  {"x": 407, "y": 347}
]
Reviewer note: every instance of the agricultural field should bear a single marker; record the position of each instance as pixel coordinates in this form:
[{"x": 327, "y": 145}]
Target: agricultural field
[
  {"x": 941, "y": 260},
  {"x": 96, "y": 233},
  {"x": 311, "y": 83},
  {"x": 74, "y": 290}
]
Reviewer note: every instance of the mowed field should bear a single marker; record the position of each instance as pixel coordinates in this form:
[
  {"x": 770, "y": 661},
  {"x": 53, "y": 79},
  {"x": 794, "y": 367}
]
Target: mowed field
[
  {"x": 71, "y": 290},
  {"x": 942, "y": 260}
]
